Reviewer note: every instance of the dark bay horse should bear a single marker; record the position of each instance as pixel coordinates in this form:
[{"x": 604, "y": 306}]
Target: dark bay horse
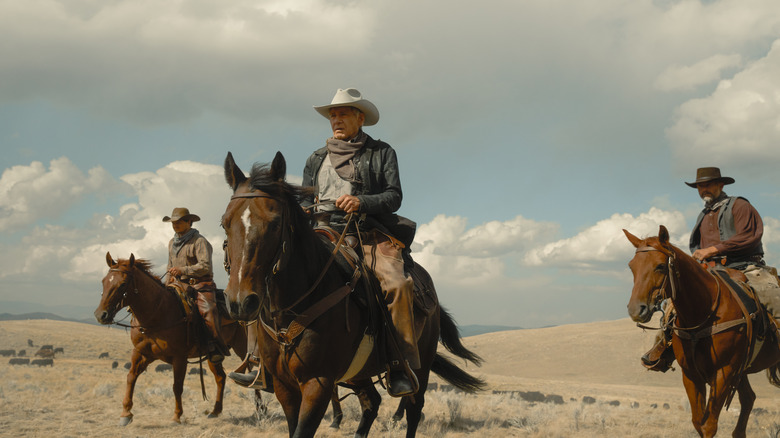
[
  {"x": 310, "y": 325},
  {"x": 159, "y": 329},
  {"x": 710, "y": 335}
]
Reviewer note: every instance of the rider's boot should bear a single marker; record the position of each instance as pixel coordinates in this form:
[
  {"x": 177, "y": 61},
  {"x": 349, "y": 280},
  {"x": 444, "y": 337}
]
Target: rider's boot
[
  {"x": 207, "y": 306},
  {"x": 661, "y": 356}
]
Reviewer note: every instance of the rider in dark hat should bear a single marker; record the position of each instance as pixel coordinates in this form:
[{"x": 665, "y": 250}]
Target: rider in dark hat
[{"x": 728, "y": 231}]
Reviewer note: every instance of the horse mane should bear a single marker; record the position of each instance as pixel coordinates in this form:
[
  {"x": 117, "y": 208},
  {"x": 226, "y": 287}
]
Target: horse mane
[
  {"x": 143, "y": 265},
  {"x": 262, "y": 178}
]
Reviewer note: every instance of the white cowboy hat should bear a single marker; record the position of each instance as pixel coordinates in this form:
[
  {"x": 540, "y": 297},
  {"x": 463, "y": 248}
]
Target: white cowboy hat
[{"x": 351, "y": 97}]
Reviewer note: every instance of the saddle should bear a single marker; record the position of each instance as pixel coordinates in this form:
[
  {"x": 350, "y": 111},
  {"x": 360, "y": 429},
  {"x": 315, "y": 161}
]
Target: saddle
[
  {"x": 425, "y": 299},
  {"x": 187, "y": 295}
]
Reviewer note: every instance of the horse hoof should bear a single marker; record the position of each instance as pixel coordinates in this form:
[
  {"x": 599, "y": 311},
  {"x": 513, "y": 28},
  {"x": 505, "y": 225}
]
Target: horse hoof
[
  {"x": 213, "y": 415},
  {"x": 124, "y": 421}
]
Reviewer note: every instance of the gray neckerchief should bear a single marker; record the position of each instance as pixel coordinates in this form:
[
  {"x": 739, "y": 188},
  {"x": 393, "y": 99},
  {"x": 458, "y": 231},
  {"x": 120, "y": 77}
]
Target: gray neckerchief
[
  {"x": 341, "y": 154},
  {"x": 179, "y": 241}
]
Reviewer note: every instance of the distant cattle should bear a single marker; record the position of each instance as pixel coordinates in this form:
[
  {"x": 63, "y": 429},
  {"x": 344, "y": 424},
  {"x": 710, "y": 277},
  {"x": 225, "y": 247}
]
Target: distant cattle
[
  {"x": 197, "y": 371},
  {"x": 43, "y": 362},
  {"x": 59, "y": 350},
  {"x": 45, "y": 352},
  {"x": 127, "y": 365},
  {"x": 114, "y": 365},
  {"x": 30, "y": 343},
  {"x": 22, "y": 353},
  {"x": 19, "y": 361},
  {"x": 163, "y": 367},
  {"x": 47, "y": 347},
  {"x": 103, "y": 355},
  {"x": 7, "y": 353}
]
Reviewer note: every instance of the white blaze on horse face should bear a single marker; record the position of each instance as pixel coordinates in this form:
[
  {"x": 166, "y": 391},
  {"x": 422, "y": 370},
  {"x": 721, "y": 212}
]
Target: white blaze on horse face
[{"x": 247, "y": 224}]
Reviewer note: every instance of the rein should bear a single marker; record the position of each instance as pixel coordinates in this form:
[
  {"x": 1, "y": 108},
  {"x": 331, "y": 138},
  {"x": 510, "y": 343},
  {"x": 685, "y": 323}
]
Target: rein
[
  {"x": 673, "y": 277},
  {"x": 287, "y": 335},
  {"x": 123, "y": 303}
]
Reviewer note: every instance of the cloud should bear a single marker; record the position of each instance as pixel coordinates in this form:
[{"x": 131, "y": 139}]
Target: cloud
[
  {"x": 77, "y": 253},
  {"x": 737, "y": 125},
  {"x": 605, "y": 242},
  {"x": 32, "y": 193},
  {"x": 686, "y": 78}
]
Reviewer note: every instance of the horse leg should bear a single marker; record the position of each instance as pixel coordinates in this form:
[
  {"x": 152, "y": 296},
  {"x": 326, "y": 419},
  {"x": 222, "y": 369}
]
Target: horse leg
[
  {"x": 369, "y": 402},
  {"x": 179, "y": 372},
  {"x": 746, "y": 399},
  {"x": 138, "y": 365},
  {"x": 219, "y": 376},
  {"x": 335, "y": 404},
  {"x": 316, "y": 393},
  {"x": 415, "y": 405},
  {"x": 399, "y": 412},
  {"x": 719, "y": 389},
  {"x": 696, "y": 391},
  {"x": 261, "y": 408},
  {"x": 290, "y": 399}
]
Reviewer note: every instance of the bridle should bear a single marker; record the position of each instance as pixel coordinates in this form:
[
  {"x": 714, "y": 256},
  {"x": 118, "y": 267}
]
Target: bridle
[
  {"x": 123, "y": 288},
  {"x": 673, "y": 277},
  {"x": 670, "y": 268},
  {"x": 282, "y": 257}
]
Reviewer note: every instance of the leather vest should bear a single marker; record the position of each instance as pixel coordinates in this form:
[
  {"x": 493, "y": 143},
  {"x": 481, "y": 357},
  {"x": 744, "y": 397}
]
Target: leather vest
[{"x": 726, "y": 227}]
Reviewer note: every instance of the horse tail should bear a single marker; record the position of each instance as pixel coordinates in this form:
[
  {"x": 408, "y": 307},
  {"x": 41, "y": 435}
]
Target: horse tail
[
  {"x": 450, "y": 338},
  {"x": 773, "y": 374},
  {"x": 456, "y": 376}
]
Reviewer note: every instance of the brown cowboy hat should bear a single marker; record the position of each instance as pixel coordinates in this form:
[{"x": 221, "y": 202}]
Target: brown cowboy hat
[
  {"x": 181, "y": 213},
  {"x": 707, "y": 174}
]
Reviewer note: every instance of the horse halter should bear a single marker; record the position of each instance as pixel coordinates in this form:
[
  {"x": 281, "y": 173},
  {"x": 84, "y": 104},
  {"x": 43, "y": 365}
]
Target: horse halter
[{"x": 670, "y": 263}]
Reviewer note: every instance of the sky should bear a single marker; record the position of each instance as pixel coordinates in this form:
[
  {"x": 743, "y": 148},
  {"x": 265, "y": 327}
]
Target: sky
[{"x": 529, "y": 133}]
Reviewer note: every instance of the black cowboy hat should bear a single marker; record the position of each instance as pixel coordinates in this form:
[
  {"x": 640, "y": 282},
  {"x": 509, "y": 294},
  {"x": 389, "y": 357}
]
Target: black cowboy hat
[{"x": 707, "y": 174}]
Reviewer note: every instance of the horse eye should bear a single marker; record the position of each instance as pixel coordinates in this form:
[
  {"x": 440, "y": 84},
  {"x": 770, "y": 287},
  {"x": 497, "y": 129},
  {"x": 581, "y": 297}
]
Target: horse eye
[{"x": 660, "y": 268}]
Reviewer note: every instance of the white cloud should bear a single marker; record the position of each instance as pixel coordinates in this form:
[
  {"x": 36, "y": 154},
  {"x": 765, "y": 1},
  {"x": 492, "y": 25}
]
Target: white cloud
[
  {"x": 78, "y": 253},
  {"x": 31, "y": 193},
  {"x": 686, "y": 78},
  {"x": 605, "y": 241},
  {"x": 738, "y": 125}
]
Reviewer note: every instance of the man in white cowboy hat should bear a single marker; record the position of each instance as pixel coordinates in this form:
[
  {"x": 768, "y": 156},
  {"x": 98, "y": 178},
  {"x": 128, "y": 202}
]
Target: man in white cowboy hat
[
  {"x": 361, "y": 175},
  {"x": 189, "y": 262},
  {"x": 728, "y": 231}
]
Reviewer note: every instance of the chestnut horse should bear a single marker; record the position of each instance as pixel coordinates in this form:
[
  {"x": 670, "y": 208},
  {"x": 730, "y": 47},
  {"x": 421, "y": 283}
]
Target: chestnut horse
[
  {"x": 710, "y": 335},
  {"x": 159, "y": 330},
  {"x": 281, "y": 271}
]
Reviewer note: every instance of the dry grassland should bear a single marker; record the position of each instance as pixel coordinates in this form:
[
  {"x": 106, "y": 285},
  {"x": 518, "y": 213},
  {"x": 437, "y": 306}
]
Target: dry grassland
[{"x": 82, "y": 395}]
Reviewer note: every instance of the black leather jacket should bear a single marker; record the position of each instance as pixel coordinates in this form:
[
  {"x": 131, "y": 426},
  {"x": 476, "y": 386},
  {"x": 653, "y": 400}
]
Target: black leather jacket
[{"x": 376, "y": 166}]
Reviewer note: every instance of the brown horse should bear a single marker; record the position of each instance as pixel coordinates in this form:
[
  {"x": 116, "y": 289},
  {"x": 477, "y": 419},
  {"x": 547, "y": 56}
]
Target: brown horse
[
  {"x": 710, "y": 335},
  {"x": 159, "y": 330},
  {"x": 281, "y": 273}
]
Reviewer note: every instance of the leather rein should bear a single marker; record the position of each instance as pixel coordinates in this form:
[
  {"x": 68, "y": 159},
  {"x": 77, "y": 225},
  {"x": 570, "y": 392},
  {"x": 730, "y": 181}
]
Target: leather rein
[
  {"x": 286, "y": 336},
  {"x": 701, "y": 330},
  {"x": 123, "y": 303}
]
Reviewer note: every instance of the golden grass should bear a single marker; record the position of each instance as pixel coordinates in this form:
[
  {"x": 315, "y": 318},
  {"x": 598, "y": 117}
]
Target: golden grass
[{"x": 82, "y": 395}]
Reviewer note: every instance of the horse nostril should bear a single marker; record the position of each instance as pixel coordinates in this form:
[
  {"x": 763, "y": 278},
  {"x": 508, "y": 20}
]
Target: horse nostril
[{"x": 251, "y": 304}]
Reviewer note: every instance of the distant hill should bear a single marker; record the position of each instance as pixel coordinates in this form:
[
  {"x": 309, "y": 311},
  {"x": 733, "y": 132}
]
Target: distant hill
[
  {"x": 477, "y": 329},
  {"x": 41, "y": 315}
]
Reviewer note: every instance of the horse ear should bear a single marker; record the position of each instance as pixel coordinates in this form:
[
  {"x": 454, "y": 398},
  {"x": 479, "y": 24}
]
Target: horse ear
[
  {"x": 279, "y": 167},
  {"x": 132, "y": 260},
  {"x": 633, "y": 239},
  {"x": 663, "y": 235},
  {"x": 233, "y": 175},
  {"x": 109, "y": 261}
]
